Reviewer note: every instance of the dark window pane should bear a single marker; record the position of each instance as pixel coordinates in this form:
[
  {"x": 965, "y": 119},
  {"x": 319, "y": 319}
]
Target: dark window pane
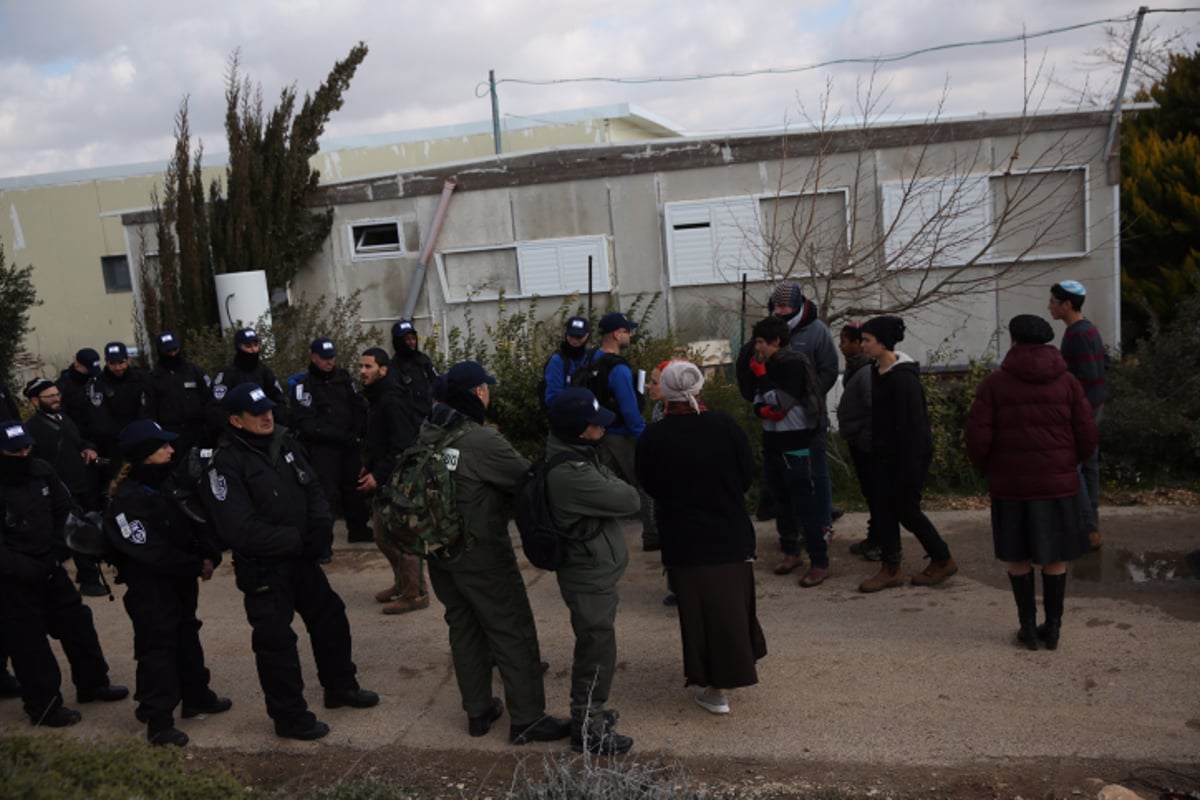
[{"x": 116, "y": 274}]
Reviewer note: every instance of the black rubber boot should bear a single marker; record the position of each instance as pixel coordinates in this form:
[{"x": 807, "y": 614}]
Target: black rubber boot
[
  {"x": 1024, "y": 592},
  {"x": 1054, "y": 589}
]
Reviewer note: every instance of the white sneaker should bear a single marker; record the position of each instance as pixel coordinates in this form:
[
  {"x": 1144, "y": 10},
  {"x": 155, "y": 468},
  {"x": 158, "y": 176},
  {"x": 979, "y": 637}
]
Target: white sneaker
[{"x": 712, "y": 703}]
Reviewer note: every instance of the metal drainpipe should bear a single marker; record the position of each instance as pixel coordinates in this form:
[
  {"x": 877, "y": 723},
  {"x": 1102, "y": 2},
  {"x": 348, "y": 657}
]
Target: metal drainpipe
[{"x": 439, "y": 216}]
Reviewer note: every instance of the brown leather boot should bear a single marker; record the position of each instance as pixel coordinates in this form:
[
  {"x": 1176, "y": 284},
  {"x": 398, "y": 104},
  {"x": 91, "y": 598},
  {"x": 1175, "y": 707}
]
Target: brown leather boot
[
  {"x": 403, "y": 605},
  {"x": 386, "y": 595},
  {"x": 935, "y": 573},
  {"x": 410, "y": 578},
  {"x": 889, "y": 576}
]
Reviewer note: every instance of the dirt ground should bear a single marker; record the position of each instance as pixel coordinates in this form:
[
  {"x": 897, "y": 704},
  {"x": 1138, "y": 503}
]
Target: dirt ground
[{"x": 908, "y": 693}]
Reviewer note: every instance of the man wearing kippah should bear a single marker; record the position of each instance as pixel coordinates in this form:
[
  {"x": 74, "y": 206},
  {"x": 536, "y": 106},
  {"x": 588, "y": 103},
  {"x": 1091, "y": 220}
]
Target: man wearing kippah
[
  {"x": 1083, "y": 350},
  {"x": 57, "y": 441}
]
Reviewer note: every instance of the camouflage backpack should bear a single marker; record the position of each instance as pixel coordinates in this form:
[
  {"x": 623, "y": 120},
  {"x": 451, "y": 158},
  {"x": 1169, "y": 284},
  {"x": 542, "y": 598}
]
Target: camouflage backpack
[{"x": 417, "y": 507}]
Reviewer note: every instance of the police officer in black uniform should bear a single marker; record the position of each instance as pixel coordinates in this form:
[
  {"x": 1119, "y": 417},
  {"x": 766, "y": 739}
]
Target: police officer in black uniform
[
  {"x": 9, "y": 686},
  {"x": 330, "y": 417},
  {"x": 37, "y": 599},
  {"x": 57, "y": 441},
  {"x": 163, "y": 543},
  {"x": 73, "y": 383},
  {"x": 269, "y": 509},
  {"x": 412, "y": 371},
  {"x": 178, "y": 394},
  {"x": 246, "y": 367},
  {"x": 118, "y": 397}
]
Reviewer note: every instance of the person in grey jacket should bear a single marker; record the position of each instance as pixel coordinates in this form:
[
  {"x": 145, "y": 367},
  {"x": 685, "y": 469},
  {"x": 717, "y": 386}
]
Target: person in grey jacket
[
  {"x": 589, "y": 500},
  {"x": 854, "y": 423},
  {"x": 811, "y": 336}
]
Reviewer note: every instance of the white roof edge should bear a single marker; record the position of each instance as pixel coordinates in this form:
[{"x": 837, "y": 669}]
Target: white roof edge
[{"x": 653, "y": 122}]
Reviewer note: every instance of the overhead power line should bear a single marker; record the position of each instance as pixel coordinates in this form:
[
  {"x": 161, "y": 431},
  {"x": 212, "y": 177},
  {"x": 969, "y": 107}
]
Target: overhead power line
[{"x": 484, "y": 87}]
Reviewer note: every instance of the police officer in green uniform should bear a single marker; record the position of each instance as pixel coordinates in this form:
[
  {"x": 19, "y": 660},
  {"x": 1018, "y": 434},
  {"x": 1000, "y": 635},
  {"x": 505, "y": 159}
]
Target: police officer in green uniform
[
  {"x": 487, "y": 608},
  {"x": 588, "y": 501}
]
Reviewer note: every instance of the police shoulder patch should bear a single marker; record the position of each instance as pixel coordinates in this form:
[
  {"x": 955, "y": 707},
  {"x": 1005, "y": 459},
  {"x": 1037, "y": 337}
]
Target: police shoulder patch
[
  {"x": 216, "y": 483},
  {"x": 131, "y": 530}
]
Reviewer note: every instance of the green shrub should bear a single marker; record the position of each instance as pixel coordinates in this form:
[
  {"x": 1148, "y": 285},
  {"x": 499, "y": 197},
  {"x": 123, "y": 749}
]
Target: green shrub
[
  {"x": 54, "y": 767},
  {"x": 948, "y": 400},
  {"x": 514, "y": 349},
  {"x": 1150, "y": 431}
]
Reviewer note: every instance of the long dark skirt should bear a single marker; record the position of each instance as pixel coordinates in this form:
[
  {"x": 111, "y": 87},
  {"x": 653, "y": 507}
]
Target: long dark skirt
[
  {"x": 719, "y": 624},
  {"x": 1041, "y": 531}
]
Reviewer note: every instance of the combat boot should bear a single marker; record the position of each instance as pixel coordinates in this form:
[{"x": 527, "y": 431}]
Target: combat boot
[
  {"x": 169, "y": 735},
  {"x": 888, "y": 577},
  {"x": 403, "y": 605},
  {"x": 935, "y": 573}
]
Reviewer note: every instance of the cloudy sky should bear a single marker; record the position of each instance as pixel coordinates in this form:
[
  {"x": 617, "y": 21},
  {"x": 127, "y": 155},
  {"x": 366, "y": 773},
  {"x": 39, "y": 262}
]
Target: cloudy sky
[{"x": 89, "y": 84}]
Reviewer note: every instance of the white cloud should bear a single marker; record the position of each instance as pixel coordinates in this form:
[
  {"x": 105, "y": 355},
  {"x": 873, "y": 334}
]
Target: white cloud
[{"x": 86, "y": 84}]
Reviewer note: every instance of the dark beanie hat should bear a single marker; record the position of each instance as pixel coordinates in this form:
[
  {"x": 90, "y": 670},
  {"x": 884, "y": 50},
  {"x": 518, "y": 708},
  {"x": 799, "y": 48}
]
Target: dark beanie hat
[
  {"x": 889, "y": 330},
  {"x": 1030, "y": 329}
]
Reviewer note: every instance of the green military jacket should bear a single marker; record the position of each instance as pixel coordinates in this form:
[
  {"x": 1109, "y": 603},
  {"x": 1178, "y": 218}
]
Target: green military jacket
[
  {"x": 585, "y": 496},
  {"x": 484, "y": 480}
]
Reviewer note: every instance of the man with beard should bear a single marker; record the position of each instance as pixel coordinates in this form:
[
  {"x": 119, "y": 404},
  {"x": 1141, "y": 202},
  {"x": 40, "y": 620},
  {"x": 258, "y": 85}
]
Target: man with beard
[
  {"x": 412, "y": 371},
  {"x": 389, "y": 432},
  {"x": 329, "y": 415},
  {"x": 36, "y": 596},
  {"x": 118, "y": 397},
  {"x": 58, "y": 442},
  {"x": 246, "y": 367},
  {"x": 73, "y": 383},
  {"x": 268, "y": 508},
  {"x": 613, "y": 383}
]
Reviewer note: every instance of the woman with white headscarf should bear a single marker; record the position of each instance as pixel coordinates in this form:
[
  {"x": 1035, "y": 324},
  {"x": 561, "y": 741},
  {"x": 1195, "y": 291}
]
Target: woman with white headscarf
[{"x": 697, "y": 465}]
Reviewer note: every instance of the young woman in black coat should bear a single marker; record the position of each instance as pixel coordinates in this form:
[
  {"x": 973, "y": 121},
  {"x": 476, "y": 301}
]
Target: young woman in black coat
[
  {"x": 901, "y": 450},
  {"x": 162, "y": 545}
]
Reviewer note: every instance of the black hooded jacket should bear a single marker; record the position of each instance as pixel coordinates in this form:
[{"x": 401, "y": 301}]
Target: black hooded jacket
[{"x": 390, "y": 427}]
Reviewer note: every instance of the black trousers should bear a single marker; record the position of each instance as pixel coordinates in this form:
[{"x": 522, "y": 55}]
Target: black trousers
[
  {"x": 28, "y": 614},
  {"x": 898, "y": 502},
  {"x": 166, "y": 645},
  {"x": 274, "y": 594},
  {"x": 338, "y": 468},
  {"x": 866, "y": 483}
]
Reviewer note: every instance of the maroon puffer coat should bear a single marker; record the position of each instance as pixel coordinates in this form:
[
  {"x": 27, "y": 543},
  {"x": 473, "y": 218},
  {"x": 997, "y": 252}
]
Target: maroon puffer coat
[{"x": 1030, "y": 426}]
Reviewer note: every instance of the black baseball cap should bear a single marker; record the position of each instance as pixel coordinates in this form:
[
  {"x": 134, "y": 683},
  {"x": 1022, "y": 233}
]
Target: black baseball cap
[
  {"x": 247, "y": 398},
  {"x": 115, "y": 351},
  {"x": 13, "y": 436},
  {"x": 614, "y": 321},
  {"x": 576, "y": 407},
  {"x": 468, "y": 374}
]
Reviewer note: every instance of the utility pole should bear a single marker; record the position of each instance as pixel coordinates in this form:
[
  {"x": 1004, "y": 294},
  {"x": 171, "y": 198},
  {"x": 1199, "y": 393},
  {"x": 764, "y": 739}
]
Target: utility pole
[
  {"x": 496, "y": 109},
  {"x": 1116, "y": 116}
]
